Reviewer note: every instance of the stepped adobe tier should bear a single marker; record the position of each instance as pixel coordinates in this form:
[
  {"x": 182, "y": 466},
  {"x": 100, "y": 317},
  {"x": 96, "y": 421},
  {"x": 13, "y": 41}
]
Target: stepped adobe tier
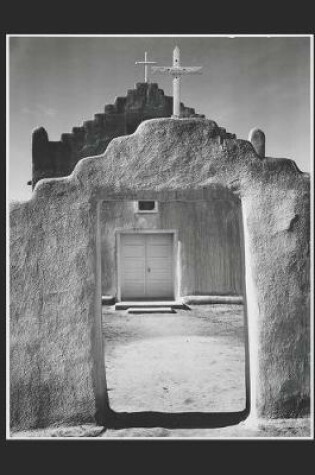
[{"x": 51, "y": 159}]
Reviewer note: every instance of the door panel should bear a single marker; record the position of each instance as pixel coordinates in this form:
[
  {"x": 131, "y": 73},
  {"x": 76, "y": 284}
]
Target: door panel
[{"x": 132, "y": 266}]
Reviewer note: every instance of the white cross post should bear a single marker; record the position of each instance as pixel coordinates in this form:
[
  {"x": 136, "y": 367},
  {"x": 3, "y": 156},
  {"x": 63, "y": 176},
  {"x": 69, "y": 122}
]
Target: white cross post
[
  {"x": 177, "y": 71},
  {"x": 146, "y": 66}
]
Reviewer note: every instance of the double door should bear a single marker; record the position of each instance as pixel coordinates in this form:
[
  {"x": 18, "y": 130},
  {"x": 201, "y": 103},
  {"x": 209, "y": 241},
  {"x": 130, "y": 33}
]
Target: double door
[{"x": 146, "y": 266}]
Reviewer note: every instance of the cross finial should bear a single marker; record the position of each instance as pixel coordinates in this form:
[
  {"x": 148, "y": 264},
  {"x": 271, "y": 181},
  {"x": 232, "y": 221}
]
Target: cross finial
[
  {"x": 176, "y": 70},
  {"x": 146, "y": 64},
  {"x": 176, "y": 56}
]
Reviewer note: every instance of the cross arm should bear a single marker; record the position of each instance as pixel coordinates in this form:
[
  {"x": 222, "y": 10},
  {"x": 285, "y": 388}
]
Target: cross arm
[
  {"x": 190, "y": 70},
  {"x": 145, "y": 62},
  {"x": 177, "y": 71},
  {"x": 161, "y": 69}
]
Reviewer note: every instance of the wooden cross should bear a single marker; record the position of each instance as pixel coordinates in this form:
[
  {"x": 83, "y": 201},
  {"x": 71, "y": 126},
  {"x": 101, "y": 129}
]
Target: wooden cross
[
  {"x": 176, "y": 71},
  {"x": 146, "y": 66}
]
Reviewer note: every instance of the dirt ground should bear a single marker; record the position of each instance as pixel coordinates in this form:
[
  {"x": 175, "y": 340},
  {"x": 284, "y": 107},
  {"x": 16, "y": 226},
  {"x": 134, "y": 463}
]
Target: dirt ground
[
  {"x": 192, "y": 360},
  {"x": 183, "y": 362}
]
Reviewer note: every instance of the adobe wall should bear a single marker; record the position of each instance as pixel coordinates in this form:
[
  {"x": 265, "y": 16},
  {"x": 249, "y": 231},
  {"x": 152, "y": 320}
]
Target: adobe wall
[
  {"x": 208, "y": 234},
  {"x": 276, "y": 214},
  {"x": 57, "y": 370},
  {"x": 52, "y": 159},
  {"x": 52, "y": 312}
]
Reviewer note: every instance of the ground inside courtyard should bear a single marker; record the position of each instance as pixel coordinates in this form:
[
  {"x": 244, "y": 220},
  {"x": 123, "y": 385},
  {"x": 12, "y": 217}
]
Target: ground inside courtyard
[{"x": 191, "y": 360}]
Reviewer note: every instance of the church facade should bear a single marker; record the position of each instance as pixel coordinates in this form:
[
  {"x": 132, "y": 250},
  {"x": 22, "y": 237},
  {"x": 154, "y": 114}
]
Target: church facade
[{"x": 158, "y": 250}]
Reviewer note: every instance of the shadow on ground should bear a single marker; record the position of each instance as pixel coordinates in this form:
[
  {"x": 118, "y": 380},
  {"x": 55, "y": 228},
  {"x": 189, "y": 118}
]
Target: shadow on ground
[{"x": 184, "y": 420}]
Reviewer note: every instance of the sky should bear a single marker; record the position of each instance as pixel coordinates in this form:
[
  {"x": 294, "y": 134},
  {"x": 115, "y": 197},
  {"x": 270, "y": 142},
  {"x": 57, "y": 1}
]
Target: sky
[{"x": 246, "y": 82}]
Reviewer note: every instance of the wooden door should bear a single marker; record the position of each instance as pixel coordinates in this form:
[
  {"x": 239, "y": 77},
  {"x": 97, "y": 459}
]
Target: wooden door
[{"x": 146, "y": 266}]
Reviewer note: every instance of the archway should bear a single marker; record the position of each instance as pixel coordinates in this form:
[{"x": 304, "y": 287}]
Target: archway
[{"x": 145, "y": 335}]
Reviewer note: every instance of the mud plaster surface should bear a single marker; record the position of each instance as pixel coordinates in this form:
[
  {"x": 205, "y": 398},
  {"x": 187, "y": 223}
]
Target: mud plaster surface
[
  {"x": 276, "y": 428},
  {"x": 183, "y": 362},
  {"x": 56, "y": 366}
]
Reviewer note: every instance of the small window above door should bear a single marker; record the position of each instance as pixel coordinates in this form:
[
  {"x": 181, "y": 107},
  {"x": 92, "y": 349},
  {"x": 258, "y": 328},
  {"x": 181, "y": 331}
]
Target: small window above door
[{"x": 146, "y": 206}]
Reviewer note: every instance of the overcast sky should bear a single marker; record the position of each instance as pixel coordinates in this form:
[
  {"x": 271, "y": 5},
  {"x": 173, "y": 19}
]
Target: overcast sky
[{"x": 59, "y": 82}]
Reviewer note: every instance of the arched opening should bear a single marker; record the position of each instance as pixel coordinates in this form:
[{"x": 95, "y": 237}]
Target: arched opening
[{"x": 183, "y": 362}]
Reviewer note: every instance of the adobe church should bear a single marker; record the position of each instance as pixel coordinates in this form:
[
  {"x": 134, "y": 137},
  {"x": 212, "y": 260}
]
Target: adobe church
[{"x": 151, "y": 202}]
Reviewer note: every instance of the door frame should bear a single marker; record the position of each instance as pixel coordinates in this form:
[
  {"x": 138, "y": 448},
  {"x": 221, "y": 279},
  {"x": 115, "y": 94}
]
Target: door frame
[{"x": 174, "y": 233}]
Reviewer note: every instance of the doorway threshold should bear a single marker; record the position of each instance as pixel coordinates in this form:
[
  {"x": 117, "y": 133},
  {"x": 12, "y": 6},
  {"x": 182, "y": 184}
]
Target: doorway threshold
[
  {"x": 152, "y": 304},
  {"x": 146, "y": 310}
]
